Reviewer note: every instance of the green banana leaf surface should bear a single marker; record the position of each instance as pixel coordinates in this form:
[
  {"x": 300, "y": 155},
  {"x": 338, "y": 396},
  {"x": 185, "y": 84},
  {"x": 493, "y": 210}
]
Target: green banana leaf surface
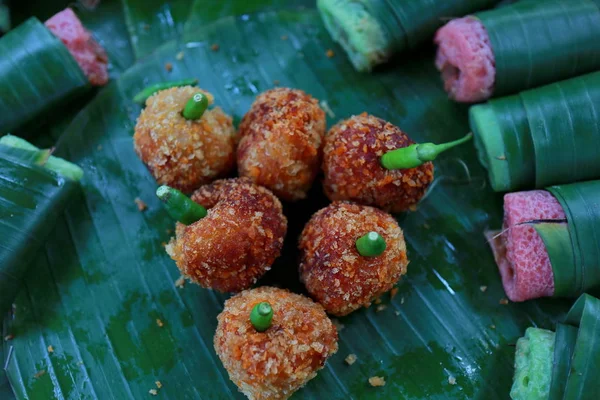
[{"x": 86, "y": 327}]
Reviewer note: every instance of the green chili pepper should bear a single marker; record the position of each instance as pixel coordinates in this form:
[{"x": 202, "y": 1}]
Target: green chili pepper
[
  {"x": 195, "y": 107},
  {"x": 179, "y": 206},
  {"x": 261, "y": 316},
  {"x": 142, "y": 96},
  {"x": 370, "y": 245},
  {"x": 417, "y": 154}
]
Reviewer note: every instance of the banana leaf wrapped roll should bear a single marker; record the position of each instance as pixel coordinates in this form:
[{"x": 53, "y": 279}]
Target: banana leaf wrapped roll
[
  {"x": 371, "y": 31},
  {"x": 540, "y": 137},
  {"x": 521, "y": 46},
  {"x": 549, "y": 244},
  {"x": 44, "y": 66},
  {"x": 34, "y": 189},
  {"x": 563, "y": 364}
]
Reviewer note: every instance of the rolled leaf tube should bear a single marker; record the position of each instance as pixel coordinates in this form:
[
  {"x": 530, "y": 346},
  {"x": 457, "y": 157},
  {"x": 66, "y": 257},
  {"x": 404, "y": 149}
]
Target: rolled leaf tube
[
  {"x": 542, "y": 136},
  {"x": 32, "y": 196},
  {"x": 371, "y": 31},
  {"x": 44, "y": 67},
  {"x": 549, "y": 242},
  {"x": 518, "y": 47}
]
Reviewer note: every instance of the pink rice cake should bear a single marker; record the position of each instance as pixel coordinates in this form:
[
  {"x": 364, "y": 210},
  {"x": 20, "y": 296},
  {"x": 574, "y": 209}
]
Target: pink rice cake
[
  {"x": 466, "y": 60},
  {"x": 519, "y": 251},
  {"x": 90, "y": 56}
]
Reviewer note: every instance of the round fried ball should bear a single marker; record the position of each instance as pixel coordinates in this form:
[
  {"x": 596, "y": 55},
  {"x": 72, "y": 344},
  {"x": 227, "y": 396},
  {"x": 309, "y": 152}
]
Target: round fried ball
[
  {"x": 181, "y": 153},
  {"x": 333, "y": 271},
  {"x": 280, "y": 145},
  {"x": 353, "y": 171},
  {"x": 275, "y": 363},
  {"x": 238, "y": 240}
]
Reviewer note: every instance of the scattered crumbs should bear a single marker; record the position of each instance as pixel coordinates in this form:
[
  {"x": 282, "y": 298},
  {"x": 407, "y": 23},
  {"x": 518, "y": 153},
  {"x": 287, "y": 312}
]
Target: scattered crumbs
[
  {"x": 330, "y": 53},
  {"x": 452, "y": 380},
  {"x": 8, "y": 337},
  {"x": 502, "y": 157},
  {"x": 99, "y": 147},
  {"x": 169, "y": 231},
  {"x": 402, "y": 300},
  {"x": 377, "y": 300},
  {"x": 284, "y": 37},
  {"x": 214, "y": 47},
  {"x": 169, "y": 67},
  {"x": 413, "y": 208},
  {"x": 376, "y": 381},
  {"x": 40, "y": 373},
  {"x": 426, "y": 226},
  {"x": 325, "y": 106},
  {"x": 159, "y": 323},
  {"x": 493, "y": 326},
  {"x": 140, "y": 204},
  {"x": 350, "y": 359},
  {"x": 483, "y": 288},
  {"x": 503, "y": 301},
  {"x": 153, "y": 392},
  {"x": 397, "y": 312},
  {"x": 163, "y": 244},
  {"x": 276, "y": 82},
  {"x": 179, "y": 56},
  {"x": 50, "y": 349},
  {"x": 380, "y": 307},
  {"x": 393, "y": 292},
  {"x": 338, "y": 325},
  {"x": 158, "y": 384},
  {"x": 180, "y": 282}
]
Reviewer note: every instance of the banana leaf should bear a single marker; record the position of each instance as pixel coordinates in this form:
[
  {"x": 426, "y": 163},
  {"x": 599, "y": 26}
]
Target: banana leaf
[
  {"x": 103, "y": 278},
  {"x": 4, "y": 17},
  {"x": 38, "y": 75},
  {"x": 539, "y": 42},
  {"x": 542, "y": 136}
]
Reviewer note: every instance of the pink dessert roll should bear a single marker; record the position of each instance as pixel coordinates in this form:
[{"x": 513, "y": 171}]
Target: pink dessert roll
[
  {"x": 466, "y": 60},
  {"x": 519, "y": 250},
  {"x": 90, "y": 56}
]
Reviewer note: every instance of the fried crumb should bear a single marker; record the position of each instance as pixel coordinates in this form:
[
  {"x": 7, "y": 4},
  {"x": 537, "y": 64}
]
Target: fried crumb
[
  {"x": 140, "y": 204},
  {"x": 169, "y": 231},
  {"x": 502, "y": 157},
  {"x": 503, "y": 301},
  {"x": 338, "y": 325},
  {"x": 50, "y": 349},
  {"x": 393, "y": 292},
  {"x": 377, "y": 300},
  {"x": 158, "y": 384},
  {"x": 380, "y": 308},
  {"x": 169, "y": 67},
  {"x": 413, "y": 208},
  {"x": 330, "y": 53},
  {"x": 99, "y": 147},
  {"x": 179, "y": 56},
  {"x": 163, "y": 244},
  {"x": 284, "y": 37},
  {"x": 377, "y": 381},
  {"x": 492, "y": 326},
  {"x": 350, "y": 359},
  {"x": 325, "y": 106},
  {"x": 146, "y": 27},
  {"x": 276, "y": 82},
  {"x": 159, "y": 323},
  {"x": 402, "y": 300},
  {"x": 397, "y": 313},
  {"x": 9, "y": 337},
  {"x": 452, "y": 380},
  {"x": 153, "y": 392},
  {"x": 40, "y": 373},
  {"x": 483, "y": 288},
  {"x": 426, "y": 226},
  {"x": 180, "y": 282},
  {"x": 214, "y": 47}
]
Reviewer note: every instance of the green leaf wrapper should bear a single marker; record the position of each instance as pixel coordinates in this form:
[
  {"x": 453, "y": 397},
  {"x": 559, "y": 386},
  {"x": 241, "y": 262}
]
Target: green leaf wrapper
[
  {"x": 31, "y": 198},
  {"x": 371, "y": 31},
  {"x": 538, "y": 42},
  {"x": 557, "y": 241},
  {"x": 37, "y": 75},
  {"x": 564, "y": 345},
  {"x": 542, "y": 136}
]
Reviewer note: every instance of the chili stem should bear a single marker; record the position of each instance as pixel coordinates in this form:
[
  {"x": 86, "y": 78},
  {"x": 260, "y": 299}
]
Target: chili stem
[
  {"x": 179, "y": 206},
  {"x": 142, "y": 96},
  {"x": 370, "y": 245},
  {"x": 261, "y": 316},
  {"x": 195, "y": 107}
]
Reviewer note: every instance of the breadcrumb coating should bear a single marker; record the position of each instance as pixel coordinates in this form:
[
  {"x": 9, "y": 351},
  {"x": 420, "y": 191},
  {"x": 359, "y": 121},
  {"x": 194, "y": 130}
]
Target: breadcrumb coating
[
  {"x": 334, "y": 273},
  {"x": 238, "y": 240},
  {"x": 275, "y": 363},
  {"x": 181, "y": 153},
  {"x": 281, "y": 139},
  {"x": 353, "y": 171}
]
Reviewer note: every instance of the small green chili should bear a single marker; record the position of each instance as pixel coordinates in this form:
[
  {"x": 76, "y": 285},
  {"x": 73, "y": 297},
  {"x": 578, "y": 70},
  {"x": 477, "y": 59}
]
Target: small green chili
[
  {"x": 417, "y": 154},
  {"x": 179, "y": 206},
  {"x": 370, "y": 245},
  {"x": 261, "y": 316},
  {"x": 142, "y": 96},
  {"x": 195, "y": 107}
]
